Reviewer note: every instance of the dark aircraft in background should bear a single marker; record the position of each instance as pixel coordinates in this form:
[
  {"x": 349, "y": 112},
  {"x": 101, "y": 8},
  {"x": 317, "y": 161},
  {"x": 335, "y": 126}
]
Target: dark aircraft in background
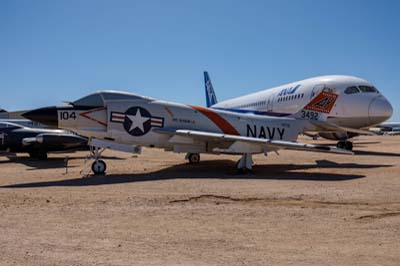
[{"x": 37, "y": 142}]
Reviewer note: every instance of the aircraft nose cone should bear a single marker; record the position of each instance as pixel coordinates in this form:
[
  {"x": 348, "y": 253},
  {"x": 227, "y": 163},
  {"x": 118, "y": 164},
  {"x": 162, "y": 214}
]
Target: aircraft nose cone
[
  {"x": 380, "y": 110},
  {"x": 47, "y": 116}
]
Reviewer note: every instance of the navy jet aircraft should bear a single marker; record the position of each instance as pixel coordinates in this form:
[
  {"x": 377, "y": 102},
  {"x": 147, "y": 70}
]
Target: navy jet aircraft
[
  {"x": 37, "y": 142},
  {"x": 126, "y": 122}
]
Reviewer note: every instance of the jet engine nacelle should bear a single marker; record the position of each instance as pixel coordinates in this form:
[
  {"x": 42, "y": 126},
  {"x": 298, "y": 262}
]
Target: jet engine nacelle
[
  {"x": 334, "y": 135},
  {"x": 68, "y": 141},
  {"x": 337, "y": 135}
]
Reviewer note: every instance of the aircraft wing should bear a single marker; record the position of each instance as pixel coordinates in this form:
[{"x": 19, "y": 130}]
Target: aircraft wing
[
  {"x": 243, "y": 144},
  {"x": 330, "y": 127}
]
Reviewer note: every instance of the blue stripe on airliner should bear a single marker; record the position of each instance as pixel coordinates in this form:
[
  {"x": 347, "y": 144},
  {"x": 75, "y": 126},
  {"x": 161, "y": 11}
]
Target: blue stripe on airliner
[{"x": 241, "y": 111}]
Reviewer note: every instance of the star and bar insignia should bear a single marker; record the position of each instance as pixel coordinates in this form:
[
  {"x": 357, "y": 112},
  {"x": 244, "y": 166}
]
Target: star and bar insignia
[{"x": 137, "y": 121}]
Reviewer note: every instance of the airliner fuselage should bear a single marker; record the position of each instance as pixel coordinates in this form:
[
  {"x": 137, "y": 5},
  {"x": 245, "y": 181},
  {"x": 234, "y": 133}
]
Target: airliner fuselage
[{"x": 360, "y": 105}]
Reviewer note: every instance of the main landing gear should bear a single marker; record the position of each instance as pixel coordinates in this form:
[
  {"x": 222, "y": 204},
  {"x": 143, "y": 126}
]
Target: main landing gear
[
  {"x": 245, "y": 164},
  {"x": 344, "y": 144},
  {"x": 98, "y": 166},
  {"x": 193, "y": 158}
]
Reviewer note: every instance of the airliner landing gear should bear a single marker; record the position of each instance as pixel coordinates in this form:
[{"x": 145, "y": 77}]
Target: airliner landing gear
[
  {"x": 98, "y": 166},
  {"x": 245, "y": 164},
  {"x": 193, "y": 158},
  {"x": 344, "y": 144}
]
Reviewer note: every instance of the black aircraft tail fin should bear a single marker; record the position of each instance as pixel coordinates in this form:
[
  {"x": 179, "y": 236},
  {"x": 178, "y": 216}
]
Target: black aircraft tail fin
[{"x": 3, "y": 114}]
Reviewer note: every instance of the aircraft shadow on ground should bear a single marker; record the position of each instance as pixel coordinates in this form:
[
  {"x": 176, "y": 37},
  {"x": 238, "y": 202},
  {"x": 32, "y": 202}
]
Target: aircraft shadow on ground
[
  {"x": 370, "y": 153},
  {"x": 377, "y": 153},
  {"x": 50, "y": 163},
  {"x": 220, "y": 169}
]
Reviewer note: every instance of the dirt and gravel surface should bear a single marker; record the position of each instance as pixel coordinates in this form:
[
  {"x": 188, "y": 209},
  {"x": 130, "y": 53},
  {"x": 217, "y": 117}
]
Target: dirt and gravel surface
[{"x": 295, "y": 209}]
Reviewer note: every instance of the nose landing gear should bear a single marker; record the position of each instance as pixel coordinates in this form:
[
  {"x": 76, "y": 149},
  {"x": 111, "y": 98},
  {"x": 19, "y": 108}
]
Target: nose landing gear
[
  {"x": 98, "y": 166},
  {"x": 344, "y": 144}
]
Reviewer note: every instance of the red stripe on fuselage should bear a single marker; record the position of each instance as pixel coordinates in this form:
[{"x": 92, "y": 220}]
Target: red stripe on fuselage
[
  {"x": 86, "y": 115},
  {"x": 224, "y": 125}
]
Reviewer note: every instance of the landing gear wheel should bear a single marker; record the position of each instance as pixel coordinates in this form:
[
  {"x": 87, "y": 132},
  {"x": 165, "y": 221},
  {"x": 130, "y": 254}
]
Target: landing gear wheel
[
  {"x": 340, "y": 145},
  {"x": 243, "y": 171},
  {"x": 99, "y": 167},
  {"x": 347, "y": 145},
  {"x": 193, "y": 158}
]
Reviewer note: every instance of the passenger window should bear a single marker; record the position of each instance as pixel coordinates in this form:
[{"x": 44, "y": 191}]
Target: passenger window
[
  {"x": 367, "y": 89},
  {"x": 351, "y": 90}
]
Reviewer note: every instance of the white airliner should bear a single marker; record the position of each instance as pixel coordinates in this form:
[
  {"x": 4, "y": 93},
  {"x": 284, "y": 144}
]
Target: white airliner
[{"x": 359, "y": 106}]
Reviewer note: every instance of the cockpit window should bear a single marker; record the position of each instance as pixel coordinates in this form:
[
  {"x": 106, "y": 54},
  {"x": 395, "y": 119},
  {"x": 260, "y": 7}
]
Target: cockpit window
[
  {"x": 119, "y": 96},
  {"x": 351, "y": 90},
  {"x": 367, "y": 89},
  {"x": 94, "y": 100}
]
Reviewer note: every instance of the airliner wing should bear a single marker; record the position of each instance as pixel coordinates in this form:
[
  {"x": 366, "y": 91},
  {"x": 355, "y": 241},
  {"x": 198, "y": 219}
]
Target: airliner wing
[
  {"x": 241, "y": 143},
  {"x": 330, "y": 127}
]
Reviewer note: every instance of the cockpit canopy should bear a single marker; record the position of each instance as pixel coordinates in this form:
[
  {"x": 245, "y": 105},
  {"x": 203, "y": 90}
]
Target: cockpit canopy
[
  {"x": 360, "y": 89},
  {"x": 98, "y": 99}
]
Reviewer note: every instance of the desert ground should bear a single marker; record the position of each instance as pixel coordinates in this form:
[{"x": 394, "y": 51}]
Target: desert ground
[{"x": 297, "y": 208}]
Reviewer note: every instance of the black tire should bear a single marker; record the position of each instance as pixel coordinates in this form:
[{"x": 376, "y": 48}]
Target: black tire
[
  {"x": 241, "y": 171},
  {"x": 194, "y": 158},
  {"x": 99, "y": 167},
  {"x": 348, "y": 145},
  {"x": 340, "y": 145}
]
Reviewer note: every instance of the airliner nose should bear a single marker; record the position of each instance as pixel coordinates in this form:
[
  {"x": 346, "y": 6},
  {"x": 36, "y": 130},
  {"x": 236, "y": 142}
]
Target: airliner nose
[{"x": 380, "y": 110}]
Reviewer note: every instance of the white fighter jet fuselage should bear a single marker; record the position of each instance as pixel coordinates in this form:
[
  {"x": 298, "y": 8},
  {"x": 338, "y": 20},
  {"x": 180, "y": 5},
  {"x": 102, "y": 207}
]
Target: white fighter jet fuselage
[{"x": 110, "y": 118}]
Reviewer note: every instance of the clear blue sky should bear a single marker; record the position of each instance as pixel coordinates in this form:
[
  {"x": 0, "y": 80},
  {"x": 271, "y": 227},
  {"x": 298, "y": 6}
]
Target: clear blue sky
[{"x": 56, "y": 50}]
